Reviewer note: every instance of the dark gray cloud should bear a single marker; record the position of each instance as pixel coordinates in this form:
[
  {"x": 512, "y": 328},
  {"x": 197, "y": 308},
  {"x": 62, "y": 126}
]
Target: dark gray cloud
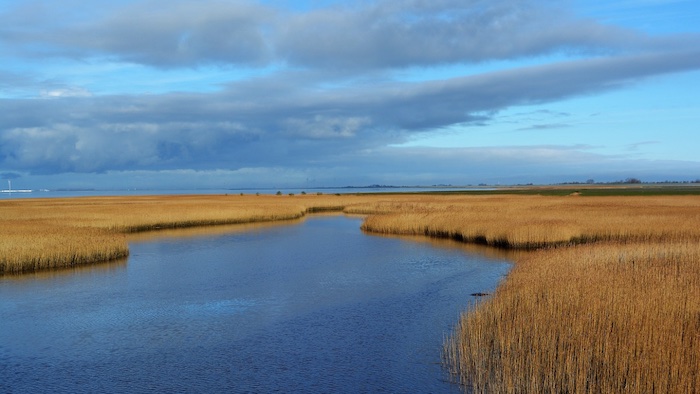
[
  {"x": 362, "y": 35},
  {"x": 158, "y": 33},
  {"x": 275, "y": 122},
  {"x": 10, "y": 175},
  {"x": 397, "y": 34},
  {"x": 397, "y": 166}
]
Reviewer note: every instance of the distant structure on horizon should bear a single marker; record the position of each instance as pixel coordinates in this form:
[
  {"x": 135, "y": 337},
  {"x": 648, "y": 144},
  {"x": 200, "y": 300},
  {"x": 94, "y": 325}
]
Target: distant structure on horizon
[{"x": 9, "y": 189}]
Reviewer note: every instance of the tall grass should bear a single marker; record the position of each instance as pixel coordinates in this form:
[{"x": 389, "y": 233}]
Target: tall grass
[
  {"x": 609, "y": 303},
  {"x": 50, "y": 233},
  {"x": 588, "y": 319},
  {"x": 35, "y": 245},
  {"x": 530, "y": 222}
]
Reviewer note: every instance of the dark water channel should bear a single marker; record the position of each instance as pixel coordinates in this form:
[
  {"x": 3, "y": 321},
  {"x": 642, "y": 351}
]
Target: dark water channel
[{"x": 314, "y": 306}]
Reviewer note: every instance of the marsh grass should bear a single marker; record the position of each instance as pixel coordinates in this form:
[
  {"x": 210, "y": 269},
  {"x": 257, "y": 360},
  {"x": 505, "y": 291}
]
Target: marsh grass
[
  {"x": 37, "y": 245},
  {"x": 608, "y": 301},
  {"x": 51, "y": 233},
  {"x": 607, "y": 298},
  {"x": 531, "y": 222},
  {"x": 587, "y": 319}
]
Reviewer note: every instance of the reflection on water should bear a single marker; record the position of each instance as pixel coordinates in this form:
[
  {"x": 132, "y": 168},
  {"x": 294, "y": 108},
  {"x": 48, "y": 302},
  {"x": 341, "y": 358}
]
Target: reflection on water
[
  {"x": 103, "y": 268},
  {"x": 216, "y": 230},
  {"x": 488, "y": 252},
  {"x": 309, "y": 306}
]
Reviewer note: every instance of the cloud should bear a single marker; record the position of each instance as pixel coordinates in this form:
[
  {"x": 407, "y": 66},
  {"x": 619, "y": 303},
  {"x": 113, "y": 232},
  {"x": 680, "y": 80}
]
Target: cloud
[
  {"x": 389, "y": 34},
  {"x": 404, "y": 166},
  {"x": 13, "y": 84},
  {"x": 637, "y": 145},
  {"x": 541, "y": 113},
  {"x": 513, "y": 164},
  {"x": 329, "y": 106},
  {"x": 158, "y": 33},
  {"x": 10, "y": 175},
  {"x": 356, "y": 36},
  {"x": 65, "y": 91},
  {"x": 322, "y": 127},
  {"x": 544, "y": 126},
  {"x": 275, "y": 121}
]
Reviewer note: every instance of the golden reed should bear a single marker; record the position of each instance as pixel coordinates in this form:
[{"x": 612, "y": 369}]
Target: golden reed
[
  {"x": 607, "y": 299},
  {"x": 51, "y": 233},
  {"x": 608, "y": 303}
]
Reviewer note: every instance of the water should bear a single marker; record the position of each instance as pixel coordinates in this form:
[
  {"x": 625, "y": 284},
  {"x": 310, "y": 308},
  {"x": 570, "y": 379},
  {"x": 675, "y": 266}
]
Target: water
[
  {"x": 314, "y": 306},
  {"x": 7, "y": 195}
]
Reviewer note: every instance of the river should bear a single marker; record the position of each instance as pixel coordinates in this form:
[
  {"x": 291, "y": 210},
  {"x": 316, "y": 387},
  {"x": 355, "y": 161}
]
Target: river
[{"x": 310, "y": 306}]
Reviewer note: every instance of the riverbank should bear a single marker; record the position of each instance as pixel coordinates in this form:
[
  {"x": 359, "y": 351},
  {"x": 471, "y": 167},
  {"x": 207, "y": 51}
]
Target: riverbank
[
  {"x": 65, "y": 232},
  {"x": 607, "y": 301}
]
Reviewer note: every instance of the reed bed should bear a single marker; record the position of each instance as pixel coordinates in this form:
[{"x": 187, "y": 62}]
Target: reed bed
[
  {"x": 531, "y": 222},
  {"x": 51, "y": 233},
  {"x": 37, "y": 244},
  {"x": 607, "y": 298},
  {"x": 588, "y": 319},
  {"x": 609, "y": 301}
]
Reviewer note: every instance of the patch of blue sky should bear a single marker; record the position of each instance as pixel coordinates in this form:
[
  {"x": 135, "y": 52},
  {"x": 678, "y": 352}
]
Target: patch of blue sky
[
  {"x": 651, "y": 16},
  {"x": 104, "y": 77},
  {"x": 652, "y": 119},
  {"x": 137, "y": 79}
]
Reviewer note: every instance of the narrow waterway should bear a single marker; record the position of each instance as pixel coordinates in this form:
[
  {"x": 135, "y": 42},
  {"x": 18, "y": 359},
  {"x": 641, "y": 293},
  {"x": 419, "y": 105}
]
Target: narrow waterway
[{"x": 311, "y": 306}]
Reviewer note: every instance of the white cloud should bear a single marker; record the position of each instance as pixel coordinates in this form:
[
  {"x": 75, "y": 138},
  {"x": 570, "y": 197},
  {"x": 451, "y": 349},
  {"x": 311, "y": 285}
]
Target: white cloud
[{"x": 71, "y": 91}]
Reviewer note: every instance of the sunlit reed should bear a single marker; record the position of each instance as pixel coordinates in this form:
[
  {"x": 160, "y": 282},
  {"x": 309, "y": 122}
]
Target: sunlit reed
[{"x": 609, "y": 303}]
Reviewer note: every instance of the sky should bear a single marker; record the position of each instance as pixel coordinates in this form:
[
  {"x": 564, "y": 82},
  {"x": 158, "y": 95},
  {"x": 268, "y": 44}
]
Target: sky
[{"x": 120, "y": 94}]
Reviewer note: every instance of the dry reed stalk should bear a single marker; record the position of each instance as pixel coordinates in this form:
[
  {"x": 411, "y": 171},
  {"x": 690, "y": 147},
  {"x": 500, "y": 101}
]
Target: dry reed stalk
[
  {"x": 589, "y": 319},
  {"x": 35, "y": 245}
]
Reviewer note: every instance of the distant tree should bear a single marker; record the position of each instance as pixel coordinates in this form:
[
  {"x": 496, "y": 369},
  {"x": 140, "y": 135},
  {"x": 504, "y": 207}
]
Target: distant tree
[
  {"x": 590, "y": 181},
  {"x": 632, "y": 180},
  {"x": 279, "y": 193}
]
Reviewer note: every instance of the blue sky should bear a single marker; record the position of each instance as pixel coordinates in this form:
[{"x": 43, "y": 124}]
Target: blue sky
[{"x": 229, "y": 93}]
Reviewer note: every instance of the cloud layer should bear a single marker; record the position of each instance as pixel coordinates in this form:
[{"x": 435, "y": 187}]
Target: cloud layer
[
  {"x": 331, "y": 98},
  {"x": 359, "y": 35}
]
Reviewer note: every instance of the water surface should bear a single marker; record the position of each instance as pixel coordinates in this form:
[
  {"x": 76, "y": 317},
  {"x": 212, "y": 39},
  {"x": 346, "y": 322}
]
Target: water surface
[{"x": 314, "y": 306}]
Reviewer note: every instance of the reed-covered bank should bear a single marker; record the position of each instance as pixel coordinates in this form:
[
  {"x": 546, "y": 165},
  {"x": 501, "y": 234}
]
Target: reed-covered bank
[
  {"x": 609, "y": 302},
  {"x": 606, "y": 300},
  {"x": 613, "y": 318},
  {"x": 38, "y": 234}
]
